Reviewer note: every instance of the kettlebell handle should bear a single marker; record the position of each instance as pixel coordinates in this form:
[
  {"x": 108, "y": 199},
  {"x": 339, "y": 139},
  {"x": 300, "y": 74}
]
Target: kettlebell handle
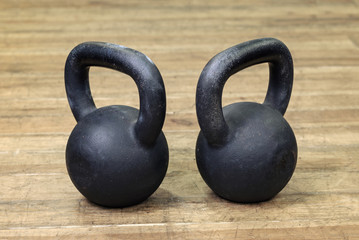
[
  {"x": 230, "y": 61},
  {"x": 131, "y": 62}
]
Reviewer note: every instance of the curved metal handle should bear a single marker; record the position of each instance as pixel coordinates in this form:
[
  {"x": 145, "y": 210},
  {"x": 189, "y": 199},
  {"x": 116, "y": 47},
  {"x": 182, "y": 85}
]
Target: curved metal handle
[
  {"x": 230, "y": 61},
  {"x": 131, "y": 62}
]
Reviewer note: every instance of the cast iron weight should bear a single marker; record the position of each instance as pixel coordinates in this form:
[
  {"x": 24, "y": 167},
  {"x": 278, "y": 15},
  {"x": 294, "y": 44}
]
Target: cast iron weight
[
  {"x": 246, "y": 152},
  {"x": 116, "y": 156}
]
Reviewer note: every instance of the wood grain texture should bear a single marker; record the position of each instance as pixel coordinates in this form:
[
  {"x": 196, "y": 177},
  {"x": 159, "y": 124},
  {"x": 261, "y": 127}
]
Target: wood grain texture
[{"x": 37, "y": 198}]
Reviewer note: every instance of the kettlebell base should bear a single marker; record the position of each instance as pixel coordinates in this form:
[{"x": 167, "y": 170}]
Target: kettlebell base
[
  {"x": 108, "y": 164},
  {"x": 245, "y": 200},
  {"x": 118, "y": 205},
  {"x": 257, "y": 160}
]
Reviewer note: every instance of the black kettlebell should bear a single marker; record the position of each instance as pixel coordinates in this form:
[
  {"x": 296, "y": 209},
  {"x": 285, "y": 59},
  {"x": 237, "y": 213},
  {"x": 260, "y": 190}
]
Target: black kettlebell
[
  {"x": 246, "y": 152},
  {"x": 116, "y": 156}
]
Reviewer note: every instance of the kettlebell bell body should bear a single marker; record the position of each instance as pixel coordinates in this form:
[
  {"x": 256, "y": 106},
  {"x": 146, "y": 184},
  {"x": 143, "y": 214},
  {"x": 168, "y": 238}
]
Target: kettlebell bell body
[
  {"x": 246, "y": 152},
  {"x": 116, "y": 156}
]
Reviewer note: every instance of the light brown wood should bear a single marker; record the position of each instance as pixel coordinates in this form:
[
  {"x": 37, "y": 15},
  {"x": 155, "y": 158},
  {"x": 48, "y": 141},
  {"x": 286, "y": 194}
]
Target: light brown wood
[{"x": 37, "y": 198}]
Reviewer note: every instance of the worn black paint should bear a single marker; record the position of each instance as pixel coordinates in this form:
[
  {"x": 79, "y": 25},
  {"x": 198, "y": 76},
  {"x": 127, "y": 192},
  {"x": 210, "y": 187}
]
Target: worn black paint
[
  {"x": 116, "y": 156},
  {"x": 246, "y": 152}
]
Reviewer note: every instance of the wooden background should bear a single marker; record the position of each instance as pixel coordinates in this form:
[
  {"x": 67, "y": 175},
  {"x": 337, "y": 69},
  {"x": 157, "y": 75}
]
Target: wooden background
[{"x": 37, "y": 198}]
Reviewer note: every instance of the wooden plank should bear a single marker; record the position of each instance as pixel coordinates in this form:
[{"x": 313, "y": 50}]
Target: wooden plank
[{"x": 184, "y": 231}]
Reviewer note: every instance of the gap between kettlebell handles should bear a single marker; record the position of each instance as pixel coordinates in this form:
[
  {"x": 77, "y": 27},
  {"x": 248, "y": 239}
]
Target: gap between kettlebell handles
[
  {"x": 131, "y": 62},
  {"x": 230, "y": 61}
]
